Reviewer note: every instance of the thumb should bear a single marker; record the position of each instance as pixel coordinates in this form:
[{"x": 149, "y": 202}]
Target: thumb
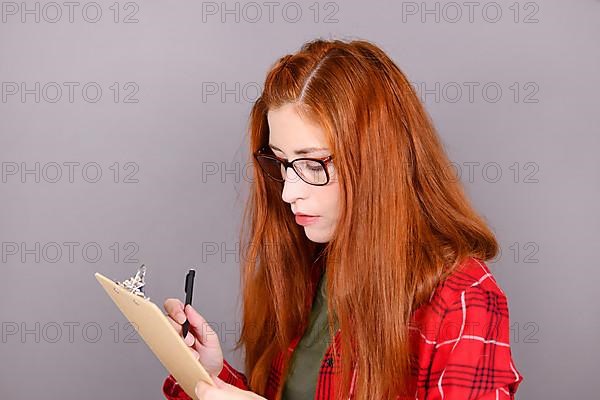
[{"x": 221, "y": 384}]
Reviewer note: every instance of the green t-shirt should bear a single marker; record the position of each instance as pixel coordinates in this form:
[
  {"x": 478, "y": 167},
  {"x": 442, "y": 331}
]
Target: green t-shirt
[{"x": 301, "y": 381}]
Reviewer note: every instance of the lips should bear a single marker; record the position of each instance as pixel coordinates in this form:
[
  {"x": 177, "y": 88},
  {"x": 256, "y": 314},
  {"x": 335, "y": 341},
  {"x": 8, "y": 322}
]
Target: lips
[{"x": 304, "y": 219}]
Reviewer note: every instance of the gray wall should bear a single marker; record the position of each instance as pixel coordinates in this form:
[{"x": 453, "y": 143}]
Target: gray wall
[{"x": 176, "y": 127}]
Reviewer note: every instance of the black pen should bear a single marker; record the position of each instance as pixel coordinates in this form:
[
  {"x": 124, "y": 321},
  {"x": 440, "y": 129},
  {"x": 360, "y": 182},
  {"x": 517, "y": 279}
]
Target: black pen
[{"x": 189, "y": 288}]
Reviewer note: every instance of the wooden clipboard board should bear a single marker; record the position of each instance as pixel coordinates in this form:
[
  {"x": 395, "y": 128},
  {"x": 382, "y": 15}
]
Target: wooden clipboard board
[{"x": 158, "y": 333}]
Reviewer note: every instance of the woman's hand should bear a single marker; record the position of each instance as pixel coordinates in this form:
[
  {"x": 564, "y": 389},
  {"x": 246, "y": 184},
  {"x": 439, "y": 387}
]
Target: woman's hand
[
  {"x": 201, "y": 339},
  {"x": 223, "y": 391}
]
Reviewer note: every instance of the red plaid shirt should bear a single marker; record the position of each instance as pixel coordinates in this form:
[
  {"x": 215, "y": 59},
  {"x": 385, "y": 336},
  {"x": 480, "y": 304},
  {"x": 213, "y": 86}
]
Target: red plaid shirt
[{"x": 461, "y": 337}]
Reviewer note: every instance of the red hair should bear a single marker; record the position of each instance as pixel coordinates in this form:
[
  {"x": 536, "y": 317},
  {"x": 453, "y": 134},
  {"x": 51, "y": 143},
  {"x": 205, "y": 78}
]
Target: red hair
[{"x": 405, "y": 223}]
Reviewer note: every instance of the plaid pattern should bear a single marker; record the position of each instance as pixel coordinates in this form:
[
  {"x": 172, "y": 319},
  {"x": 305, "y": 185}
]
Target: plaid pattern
[{"x": 461, "y": 337}]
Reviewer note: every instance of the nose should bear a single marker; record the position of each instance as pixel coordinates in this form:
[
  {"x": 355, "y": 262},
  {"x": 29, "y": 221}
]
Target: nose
[{"x": 294, "y": 188}]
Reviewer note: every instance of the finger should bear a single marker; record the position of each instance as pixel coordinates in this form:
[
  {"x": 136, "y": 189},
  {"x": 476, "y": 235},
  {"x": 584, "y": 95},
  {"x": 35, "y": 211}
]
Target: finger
[
  {"x": 195, "y": 353},
  {"x": 175, "y": 324},
  {"x": 202, "y": 330},
  {"x": 174, "y": 307},
  {"x": 178, "y": 327},
  {"x": 189, "y": 339}
]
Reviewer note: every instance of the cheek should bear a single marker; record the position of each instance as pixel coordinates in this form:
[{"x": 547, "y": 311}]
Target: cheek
[{"x": 330, "y": 201}]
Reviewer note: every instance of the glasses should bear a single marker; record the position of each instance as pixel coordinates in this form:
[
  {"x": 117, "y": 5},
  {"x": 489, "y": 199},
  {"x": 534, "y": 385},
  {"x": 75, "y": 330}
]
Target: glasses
[{"x": 313, "y": 171}]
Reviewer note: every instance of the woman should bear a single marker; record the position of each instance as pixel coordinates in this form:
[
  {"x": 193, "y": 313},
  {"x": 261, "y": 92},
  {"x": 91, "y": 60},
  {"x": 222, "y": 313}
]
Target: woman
[{"x": 369, "y": 281}]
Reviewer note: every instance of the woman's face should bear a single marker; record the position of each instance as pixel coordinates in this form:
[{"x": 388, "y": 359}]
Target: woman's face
[{"x": 293, "y": 137}]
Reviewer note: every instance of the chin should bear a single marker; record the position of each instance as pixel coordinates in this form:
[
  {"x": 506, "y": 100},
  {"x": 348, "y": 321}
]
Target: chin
[{"x": 316, "y": 236}]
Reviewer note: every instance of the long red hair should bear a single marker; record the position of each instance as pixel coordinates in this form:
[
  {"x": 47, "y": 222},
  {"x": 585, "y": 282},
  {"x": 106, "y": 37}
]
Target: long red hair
[{"x": 405, "y": 223}]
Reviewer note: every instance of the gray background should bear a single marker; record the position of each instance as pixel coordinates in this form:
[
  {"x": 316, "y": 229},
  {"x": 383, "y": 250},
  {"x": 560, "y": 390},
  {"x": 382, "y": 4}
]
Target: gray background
[{"x": 528, "y": 160}]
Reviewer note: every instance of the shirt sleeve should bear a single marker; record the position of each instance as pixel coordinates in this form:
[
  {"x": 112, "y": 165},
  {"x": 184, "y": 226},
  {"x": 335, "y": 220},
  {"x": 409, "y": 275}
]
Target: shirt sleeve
[
  {"x": 172, "y": 390},
  {"x": 233, "y": 377},
  {"x": 472, "y": 358}
]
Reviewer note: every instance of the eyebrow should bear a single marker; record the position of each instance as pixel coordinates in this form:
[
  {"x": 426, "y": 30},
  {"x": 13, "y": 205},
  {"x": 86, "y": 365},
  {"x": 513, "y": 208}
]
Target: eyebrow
[{"x": 306, "y": 150}]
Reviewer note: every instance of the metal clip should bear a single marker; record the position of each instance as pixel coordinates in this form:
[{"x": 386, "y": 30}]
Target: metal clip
[{"x": 136, "y": 283}]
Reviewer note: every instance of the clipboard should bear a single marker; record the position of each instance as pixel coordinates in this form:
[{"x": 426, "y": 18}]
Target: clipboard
[{"x": 158, "y": 333}]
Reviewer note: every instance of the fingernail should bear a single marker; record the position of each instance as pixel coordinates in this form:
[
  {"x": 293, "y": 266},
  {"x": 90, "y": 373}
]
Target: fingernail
[
  {"x": 189, "y": 340},
  {"x": 180, "y": 318}
]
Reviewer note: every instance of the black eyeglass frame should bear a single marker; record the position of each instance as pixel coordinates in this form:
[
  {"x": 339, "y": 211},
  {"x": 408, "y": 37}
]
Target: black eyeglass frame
[{"x": 266, "y": 152}]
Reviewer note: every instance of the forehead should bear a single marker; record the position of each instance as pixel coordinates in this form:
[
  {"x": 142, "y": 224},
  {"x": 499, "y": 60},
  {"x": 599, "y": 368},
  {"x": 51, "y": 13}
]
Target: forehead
[{"x": 291, "y": 131}]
